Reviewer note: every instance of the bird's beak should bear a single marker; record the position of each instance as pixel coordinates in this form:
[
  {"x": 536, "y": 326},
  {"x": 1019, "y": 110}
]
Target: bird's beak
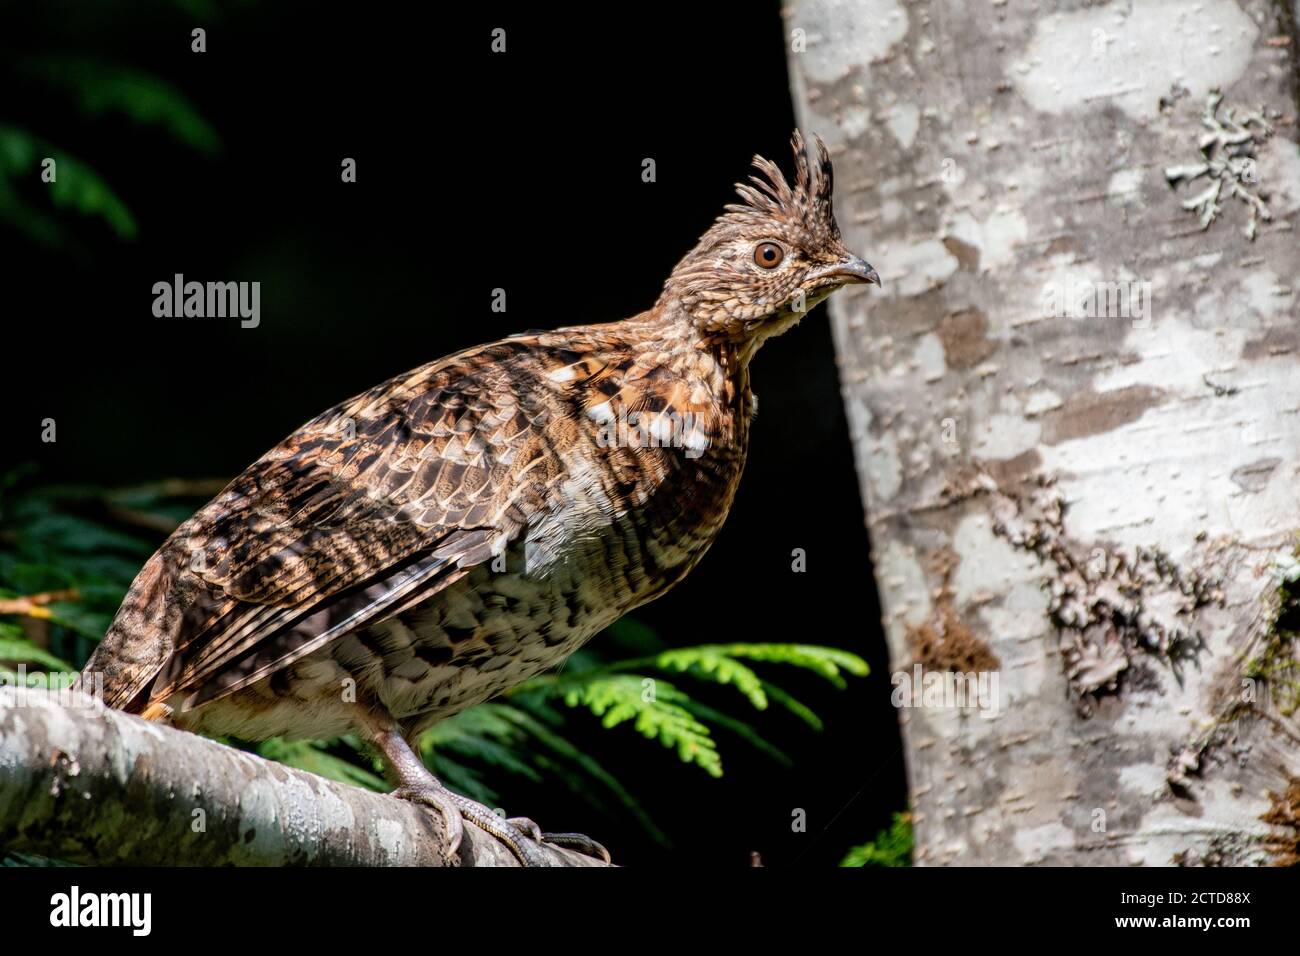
[{"x": 852, "y": 269}]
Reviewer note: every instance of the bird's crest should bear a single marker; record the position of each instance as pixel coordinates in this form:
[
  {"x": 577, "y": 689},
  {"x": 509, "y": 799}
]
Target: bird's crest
[{"x": 807, "y": 203}]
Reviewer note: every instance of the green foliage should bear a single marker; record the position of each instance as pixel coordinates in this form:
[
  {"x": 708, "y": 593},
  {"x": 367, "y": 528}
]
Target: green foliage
[
  {"x": 654, "y": 707},
  {"x": 76, "y": 188},
  {"x": 619, "y": 692},
  {"x": 17, "y": 649},
  {"x": 55, "y": 540},
  {"x": 317, "y": 756},
  {"x": 99, "y": 90},
  {"x": 93, "y": 541},
  {"x": 720, "y": 660},
  {"x": 892, "y": 847},
  {"x": 721, "y": 664},
  {"x": 517, "y": 737}
]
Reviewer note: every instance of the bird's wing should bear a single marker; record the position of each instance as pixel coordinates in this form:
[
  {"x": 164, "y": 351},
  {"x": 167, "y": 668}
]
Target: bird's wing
[{"x": 368, "y": 509}]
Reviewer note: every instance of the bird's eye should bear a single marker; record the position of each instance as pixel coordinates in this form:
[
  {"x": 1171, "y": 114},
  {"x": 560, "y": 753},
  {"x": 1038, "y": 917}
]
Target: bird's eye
[{"x": 768, "y": 255}]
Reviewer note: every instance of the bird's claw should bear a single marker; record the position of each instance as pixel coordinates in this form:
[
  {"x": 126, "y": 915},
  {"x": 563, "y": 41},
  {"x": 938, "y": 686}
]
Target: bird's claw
[
  {"x": 579, "y": 842},
  {"x": 515, "y": 832},
  {"x": 527, "y": 826},
  {"x": 442, "y": 800},
  {"x": 569, "y": 841},
  {"x": 504, "y": 830}
]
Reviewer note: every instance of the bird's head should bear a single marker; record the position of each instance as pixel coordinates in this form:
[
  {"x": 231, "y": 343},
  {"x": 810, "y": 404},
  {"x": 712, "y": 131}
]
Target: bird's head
[{"x": 766, "y": 262}]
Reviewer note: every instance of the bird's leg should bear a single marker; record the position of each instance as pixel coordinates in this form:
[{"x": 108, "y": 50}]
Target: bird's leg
[
  {"x": 414, "y": 781},
  {"x": 417, "y": 784}
]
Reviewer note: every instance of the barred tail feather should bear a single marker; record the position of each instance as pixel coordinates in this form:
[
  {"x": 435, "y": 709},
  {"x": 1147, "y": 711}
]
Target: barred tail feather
[{"x": 136, "y": 646}]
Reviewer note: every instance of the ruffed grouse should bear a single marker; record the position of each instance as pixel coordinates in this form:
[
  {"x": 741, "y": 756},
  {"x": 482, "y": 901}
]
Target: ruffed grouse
[{"x": 436, "y": 540}]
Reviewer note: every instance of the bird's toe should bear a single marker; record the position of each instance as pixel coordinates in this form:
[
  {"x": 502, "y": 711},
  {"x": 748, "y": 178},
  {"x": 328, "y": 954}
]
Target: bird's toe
[
  {"x": 579, "y": 842},
  {"x": 442, "y": 800}
]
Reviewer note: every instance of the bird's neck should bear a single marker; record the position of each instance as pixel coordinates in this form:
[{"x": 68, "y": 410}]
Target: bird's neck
[
  {"x": 735, "y": 344},
  {"x": 690, "y": 351}
]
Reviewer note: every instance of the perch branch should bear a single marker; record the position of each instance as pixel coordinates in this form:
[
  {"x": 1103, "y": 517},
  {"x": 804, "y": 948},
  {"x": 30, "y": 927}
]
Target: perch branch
[{"x": 85, "y": 784}]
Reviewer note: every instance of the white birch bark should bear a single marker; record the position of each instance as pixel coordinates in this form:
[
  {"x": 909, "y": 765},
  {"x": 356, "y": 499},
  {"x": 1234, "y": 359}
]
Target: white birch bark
[{"x": 1096, "y": 510}]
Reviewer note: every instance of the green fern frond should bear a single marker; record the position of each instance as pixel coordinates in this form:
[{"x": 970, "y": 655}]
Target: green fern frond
[
  {"x": 482, "y": 721},
  {"x": 538, "y": 724},
  {"x": 892, "y": 847},
  {"x": 101, "y": 88},
  {"x": 826, "y": 661},
  {"x": 502, "y": 754},
  {"x": 796, "y": 707},
  {"x": 510, "y": 738},
  {"x": 17, "y": 648},
  {"x": 467, "y": 780},
  {"x": 314, "y": 757},
  {"x": 746, "y": 732},
  {"x": 707, "y": 662},
  {"x": 76, "y": 186},
  {"x": 654, "y": 708},
  {"x": 616, "y": 694},
  {"x": 25, "y": 652},
  {"x": 718, "y": 662}
]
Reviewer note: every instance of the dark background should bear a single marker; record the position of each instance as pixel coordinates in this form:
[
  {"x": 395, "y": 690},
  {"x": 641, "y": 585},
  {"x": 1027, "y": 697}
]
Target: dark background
[{"x": 475, "y": 171}]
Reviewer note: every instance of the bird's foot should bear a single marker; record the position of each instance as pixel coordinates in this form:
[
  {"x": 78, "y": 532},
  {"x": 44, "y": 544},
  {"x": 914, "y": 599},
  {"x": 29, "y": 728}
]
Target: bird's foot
[
  {"x": 455, "y": 809},
  {"x": 434, "y": 794},
  {"x": 518, "y": 833},
  {"x": 504, "y": 830},
  {"x": 570, "y": 841}
]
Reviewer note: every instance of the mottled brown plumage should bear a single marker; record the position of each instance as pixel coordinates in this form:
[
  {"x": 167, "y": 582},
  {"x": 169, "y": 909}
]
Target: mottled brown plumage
[{"x": 459, "y": 528}]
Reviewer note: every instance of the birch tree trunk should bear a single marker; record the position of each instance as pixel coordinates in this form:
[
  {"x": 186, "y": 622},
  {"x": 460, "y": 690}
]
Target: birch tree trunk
[{"x": 1076, "y": 411}]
